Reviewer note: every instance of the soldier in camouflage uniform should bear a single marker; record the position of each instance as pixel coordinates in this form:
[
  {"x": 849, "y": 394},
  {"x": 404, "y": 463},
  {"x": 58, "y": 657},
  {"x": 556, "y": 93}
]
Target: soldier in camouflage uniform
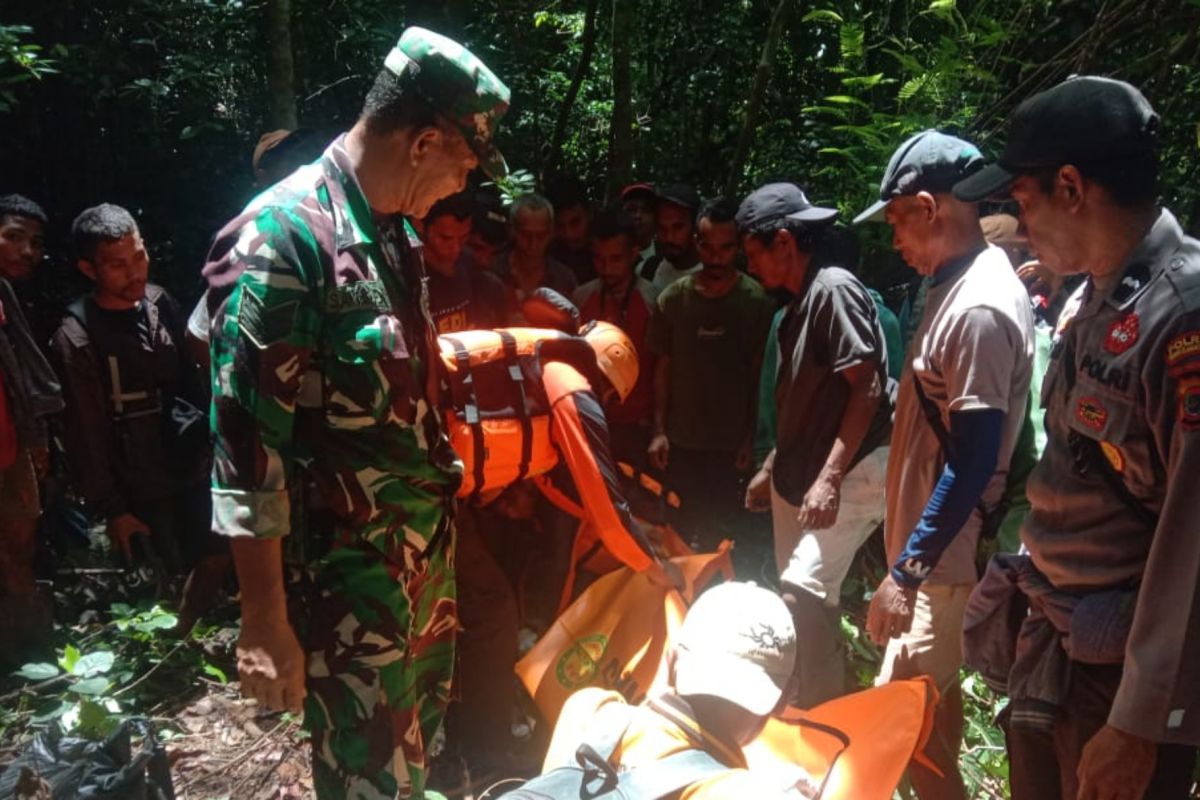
[{"x": 321, "y": 343}]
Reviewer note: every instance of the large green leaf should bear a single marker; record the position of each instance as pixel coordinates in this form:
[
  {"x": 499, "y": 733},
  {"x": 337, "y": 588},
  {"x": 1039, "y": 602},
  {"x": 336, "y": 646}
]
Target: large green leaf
[
  {"x": 822, "y": 15},
  {"x": 93, "y": 664},
  {"x": 39, "y": 671},
  {"x": 92, "y": 687}
]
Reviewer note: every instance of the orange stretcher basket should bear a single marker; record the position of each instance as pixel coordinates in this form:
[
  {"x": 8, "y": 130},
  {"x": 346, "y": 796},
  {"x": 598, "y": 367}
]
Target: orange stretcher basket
[{"x": 616, "y": 635}]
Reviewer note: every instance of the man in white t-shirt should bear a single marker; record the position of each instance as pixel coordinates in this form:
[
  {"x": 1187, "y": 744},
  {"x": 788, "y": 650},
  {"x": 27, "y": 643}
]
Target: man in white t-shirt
[{"x": 960, "y": 407}]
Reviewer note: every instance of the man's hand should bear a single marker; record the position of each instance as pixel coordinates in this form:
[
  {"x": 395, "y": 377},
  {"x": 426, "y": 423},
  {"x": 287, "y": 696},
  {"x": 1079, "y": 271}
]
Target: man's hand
[
  {"x": 41, "y": 461},
  {"x": 821, "y": 502},
  {"x": 658, "y": 451},
  {"x": 891, "y": 611},
  {"x": 271, "y": 664},
  {"x": 1115, "y": 766},
  {"x": 667, "y": 575},
  {"x": 120, "y": 531},
  {"x": 758, "y": 492},
  {"x": 1033, "y": 271}
]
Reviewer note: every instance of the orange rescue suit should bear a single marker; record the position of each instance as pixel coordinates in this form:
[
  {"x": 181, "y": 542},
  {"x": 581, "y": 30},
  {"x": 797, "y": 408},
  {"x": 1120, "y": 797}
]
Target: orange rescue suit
[{"x": 522, "y": 397}]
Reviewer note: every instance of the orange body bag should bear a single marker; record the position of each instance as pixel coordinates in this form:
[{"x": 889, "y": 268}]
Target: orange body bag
[{"x": 497, "y": 411}]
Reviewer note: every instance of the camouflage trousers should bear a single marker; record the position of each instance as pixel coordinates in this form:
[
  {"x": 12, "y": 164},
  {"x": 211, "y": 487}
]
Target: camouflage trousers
[{"x": 380, "y": 644}]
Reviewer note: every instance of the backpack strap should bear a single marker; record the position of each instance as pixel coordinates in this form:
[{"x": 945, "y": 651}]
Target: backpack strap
[
  {"x": 520, "y": 404},
  {"x": 464, "y": 386},
  {"x": 663, "y": 778},
  {"x": 101, "y": 350}
]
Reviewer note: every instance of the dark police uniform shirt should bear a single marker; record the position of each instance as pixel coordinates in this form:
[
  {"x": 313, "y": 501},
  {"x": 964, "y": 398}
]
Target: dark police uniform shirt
[{"x": 1124, "y": 385}]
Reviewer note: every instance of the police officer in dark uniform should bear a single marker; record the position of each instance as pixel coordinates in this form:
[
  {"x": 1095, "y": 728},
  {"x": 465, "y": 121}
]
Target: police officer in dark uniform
[{"x": 1103, "y": 677}]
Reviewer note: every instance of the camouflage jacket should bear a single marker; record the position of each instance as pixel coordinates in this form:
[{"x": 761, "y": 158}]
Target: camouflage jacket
[{"x": 320, "y": 338}]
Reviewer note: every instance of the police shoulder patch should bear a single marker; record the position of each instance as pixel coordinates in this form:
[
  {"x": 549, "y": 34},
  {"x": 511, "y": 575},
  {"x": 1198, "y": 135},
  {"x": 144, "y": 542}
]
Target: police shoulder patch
[
  {"x": 1188, "y": 394},
  {"x": 1182, "y": 351}
]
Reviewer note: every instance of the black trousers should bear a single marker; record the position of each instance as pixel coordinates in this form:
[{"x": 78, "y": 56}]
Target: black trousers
[
  {"x": 712, "y": 492},
  {"x": 1042, "y": 763}
]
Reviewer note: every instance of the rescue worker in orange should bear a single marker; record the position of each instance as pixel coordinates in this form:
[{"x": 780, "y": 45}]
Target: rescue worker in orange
[{"x": 532, "y": 400}]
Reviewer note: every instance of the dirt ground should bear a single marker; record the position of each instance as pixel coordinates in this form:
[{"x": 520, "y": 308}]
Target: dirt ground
[{"x": 227, "y": 749}]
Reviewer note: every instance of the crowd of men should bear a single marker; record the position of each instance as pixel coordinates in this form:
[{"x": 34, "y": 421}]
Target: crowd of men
[{"x": 1042, "y": 378}]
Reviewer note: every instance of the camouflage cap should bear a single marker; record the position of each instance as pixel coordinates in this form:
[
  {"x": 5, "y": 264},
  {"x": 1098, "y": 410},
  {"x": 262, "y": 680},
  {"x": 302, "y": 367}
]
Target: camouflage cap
[{"x": 458, "y": 85}]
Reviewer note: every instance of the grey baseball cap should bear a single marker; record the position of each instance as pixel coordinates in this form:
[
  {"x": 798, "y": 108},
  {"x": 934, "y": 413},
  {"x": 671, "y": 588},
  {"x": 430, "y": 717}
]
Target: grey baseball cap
[{"x": 931, "y": 161}]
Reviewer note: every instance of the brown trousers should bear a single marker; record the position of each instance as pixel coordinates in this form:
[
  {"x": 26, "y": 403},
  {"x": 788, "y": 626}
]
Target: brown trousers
[{"x": 1043, "y": 763}]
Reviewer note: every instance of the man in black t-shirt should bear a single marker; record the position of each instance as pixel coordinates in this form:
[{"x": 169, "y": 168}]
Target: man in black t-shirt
[
  {"x": 135, "y": 429},
  {"x": 824, "y": 479},
  {"x": 460, "y": 298}
]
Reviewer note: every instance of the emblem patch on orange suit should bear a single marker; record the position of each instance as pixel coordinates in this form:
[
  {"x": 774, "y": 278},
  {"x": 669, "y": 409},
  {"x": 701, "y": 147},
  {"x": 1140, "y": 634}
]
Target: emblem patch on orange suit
[
  {"x": 580, "y": 662},
  {"x": 1122, "y": 334},
  {"x": 1092, "y": 413}
]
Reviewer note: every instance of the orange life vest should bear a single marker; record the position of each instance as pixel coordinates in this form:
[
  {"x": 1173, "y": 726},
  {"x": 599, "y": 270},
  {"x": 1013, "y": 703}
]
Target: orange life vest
[{"x": 497, "y": 411}]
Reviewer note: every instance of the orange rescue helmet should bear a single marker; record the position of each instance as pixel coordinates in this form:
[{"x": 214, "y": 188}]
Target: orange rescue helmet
[{"x": 615, "y": 355}]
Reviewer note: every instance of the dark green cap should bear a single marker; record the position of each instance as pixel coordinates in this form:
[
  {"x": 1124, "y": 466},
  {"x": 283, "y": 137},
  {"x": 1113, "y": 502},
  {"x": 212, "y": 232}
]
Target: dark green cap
[{"x": 458, "y": 85}]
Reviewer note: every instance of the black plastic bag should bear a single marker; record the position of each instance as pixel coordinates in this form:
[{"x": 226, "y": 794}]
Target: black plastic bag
[{"x": 81, "y": 769}]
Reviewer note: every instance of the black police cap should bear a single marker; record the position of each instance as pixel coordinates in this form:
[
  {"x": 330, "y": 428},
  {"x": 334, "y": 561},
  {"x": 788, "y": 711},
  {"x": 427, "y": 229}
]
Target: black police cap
[{"x": 1083, "y": 120}]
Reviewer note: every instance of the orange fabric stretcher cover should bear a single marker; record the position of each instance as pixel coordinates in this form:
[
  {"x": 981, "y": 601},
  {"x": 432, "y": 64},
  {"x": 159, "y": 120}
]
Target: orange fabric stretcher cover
[
  {"x": 887, "y": 726},
  {"x": 615, "y": 635}
]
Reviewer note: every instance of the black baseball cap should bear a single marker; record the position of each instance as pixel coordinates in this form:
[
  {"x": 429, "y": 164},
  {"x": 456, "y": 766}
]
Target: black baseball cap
[
  {"x": 1083, "y": 120},
  {"x": 931, "y": 161},
  {"x": 776, "y": 201},
  {"x": 679, "y": 194}
]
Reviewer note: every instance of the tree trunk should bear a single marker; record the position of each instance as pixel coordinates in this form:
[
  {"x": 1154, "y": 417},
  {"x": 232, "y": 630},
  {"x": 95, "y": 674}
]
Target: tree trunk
[
  {"x": 620, "y": 151},
  {"x": 762, "y": 76},
  {"x": 281, "y": 76},
  {"x": 581, "y": 70}
]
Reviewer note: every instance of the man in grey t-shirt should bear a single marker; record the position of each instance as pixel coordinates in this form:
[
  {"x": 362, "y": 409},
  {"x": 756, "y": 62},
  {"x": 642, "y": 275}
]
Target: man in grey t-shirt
[
  {"x": 966, "y": 384},
  {"x": 823, "y": 481}
]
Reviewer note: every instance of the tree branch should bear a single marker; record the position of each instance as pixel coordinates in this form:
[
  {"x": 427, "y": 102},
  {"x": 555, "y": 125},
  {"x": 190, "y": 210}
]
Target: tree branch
[
  {"x": 762, "y": 76},
  {"x": 581, "y": 70}
]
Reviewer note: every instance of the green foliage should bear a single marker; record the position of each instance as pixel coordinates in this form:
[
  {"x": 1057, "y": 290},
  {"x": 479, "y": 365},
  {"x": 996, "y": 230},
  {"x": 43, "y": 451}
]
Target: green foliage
[
  {"x": 20, "y": 61},
  {"x": 515, "y": 184},
  {"x": 984, "y": 762},
  {"x": 158, "y": 103},
  {"x": 112, "y": 670}
]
